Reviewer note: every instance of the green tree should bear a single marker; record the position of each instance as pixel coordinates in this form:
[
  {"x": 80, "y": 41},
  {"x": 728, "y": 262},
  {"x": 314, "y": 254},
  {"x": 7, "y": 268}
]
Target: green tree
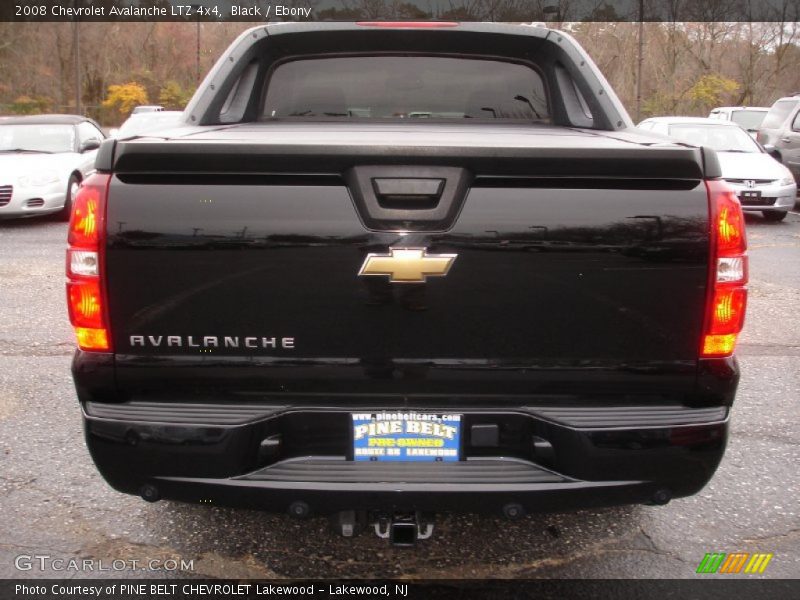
[
  {"x": 173, "y": 97},
  {"x": 27, "y": 105}
]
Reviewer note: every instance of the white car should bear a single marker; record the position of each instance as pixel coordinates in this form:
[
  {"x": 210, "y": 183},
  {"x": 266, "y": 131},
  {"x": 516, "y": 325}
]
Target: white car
[
  {"x": 43, "y": 160},
  {"x": 146, "y": 108},
  {"x": 748, "y": 118},
  {"x": 761, "y": 182},
  {"x": 148, "y": 122}
]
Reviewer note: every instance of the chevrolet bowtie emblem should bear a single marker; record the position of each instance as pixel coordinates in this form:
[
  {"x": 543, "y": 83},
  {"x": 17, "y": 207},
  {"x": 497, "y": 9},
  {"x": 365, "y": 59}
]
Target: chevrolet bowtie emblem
[{"x": 408, "y": 265}]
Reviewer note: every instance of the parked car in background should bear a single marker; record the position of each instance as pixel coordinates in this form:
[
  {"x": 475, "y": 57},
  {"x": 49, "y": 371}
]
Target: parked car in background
[
  {"x": 761, "y": 182},
  {"x": 147, "y": 122},
  {"x": 781, "y": 130},
  {"x": 147, "y": 108},
  {"x": 747, "y": 117},
  {"x": 43, "y": 160}
]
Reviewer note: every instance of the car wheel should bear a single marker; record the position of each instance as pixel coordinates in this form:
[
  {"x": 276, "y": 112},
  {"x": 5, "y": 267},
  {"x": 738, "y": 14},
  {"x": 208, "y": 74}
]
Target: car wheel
[
  {"x": 72, "y": 189},
  {"x": 774, "y": 215}
]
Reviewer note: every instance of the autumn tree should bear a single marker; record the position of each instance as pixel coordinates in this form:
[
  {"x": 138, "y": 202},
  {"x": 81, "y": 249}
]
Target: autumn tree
[
  {"x": 712, "y": 90},
  {"x": 123, "y": 98}
]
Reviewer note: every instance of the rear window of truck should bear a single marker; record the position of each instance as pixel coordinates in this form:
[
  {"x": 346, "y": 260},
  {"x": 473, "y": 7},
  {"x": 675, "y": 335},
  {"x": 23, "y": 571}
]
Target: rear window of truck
[
  {"x": 749, "y": 119},
  {"x": 405, "y": 87}
]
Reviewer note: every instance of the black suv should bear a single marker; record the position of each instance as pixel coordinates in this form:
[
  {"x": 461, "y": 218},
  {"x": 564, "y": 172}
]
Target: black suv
[{"x": 781, "y": 129}]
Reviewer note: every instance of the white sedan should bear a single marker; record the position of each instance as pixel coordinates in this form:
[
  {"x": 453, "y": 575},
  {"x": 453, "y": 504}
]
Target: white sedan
[
  {"x": 43, "y": 160},
  {"x": 148, "y": 122},
  {"x": 762, "y": 183}
]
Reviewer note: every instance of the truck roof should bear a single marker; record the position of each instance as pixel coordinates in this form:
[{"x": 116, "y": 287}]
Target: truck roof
[{"x": 304, "y": 26}]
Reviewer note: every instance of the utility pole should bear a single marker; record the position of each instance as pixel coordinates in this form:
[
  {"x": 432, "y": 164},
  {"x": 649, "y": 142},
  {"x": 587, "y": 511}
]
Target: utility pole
[
  {"x": 197, "y": 54},
  {"x": 76, "y": 47},
  {"x": 640, "y": 61},
  {"x": 196, "y": 8}
]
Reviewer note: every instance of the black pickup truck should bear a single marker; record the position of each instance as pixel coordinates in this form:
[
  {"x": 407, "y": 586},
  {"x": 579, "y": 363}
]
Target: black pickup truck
[{"x": 387, "y": 269}]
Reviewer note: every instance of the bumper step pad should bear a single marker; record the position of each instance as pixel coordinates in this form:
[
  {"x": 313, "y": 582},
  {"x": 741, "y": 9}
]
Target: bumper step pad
[{"x": 338, "y": 470}]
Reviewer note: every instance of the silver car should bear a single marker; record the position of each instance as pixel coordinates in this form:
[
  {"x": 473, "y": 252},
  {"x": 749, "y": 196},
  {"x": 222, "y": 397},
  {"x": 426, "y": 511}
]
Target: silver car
[
  {"x": 761, "y": 182},
  {"x": 43, "y": 160}
]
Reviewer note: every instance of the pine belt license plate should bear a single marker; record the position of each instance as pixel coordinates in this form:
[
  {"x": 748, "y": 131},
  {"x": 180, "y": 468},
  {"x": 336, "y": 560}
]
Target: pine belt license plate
[{"x": 406, "y": 436}]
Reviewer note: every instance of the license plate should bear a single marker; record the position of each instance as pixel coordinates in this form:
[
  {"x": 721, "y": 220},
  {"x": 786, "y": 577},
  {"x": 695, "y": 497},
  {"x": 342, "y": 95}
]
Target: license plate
[
  {"x": 406, "y": 436},
  {"x": 749, "y": 196}
]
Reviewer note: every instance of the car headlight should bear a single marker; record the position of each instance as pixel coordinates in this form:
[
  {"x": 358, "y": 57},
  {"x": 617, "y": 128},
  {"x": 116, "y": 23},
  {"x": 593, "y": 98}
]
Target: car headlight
[
  {"x": 38, "y": 179},
  {"x": 788, "y": 180}
]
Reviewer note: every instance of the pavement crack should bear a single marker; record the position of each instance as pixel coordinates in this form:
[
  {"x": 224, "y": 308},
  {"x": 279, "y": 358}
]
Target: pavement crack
[
  {"x": 591, "y": 553},
  {"x": 655, "y": 549},
  {"x": 650, "y": 541},
  {"x": 652, "y": 547}
]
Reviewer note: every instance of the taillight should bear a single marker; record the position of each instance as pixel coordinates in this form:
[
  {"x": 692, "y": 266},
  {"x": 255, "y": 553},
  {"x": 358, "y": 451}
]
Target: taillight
[
  {"x": 86, "y": 297},
  {"x": 727, "y": 290}
]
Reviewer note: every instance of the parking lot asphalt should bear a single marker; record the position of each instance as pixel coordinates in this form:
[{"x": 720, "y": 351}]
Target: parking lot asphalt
[{"x": 53, "y": 503}]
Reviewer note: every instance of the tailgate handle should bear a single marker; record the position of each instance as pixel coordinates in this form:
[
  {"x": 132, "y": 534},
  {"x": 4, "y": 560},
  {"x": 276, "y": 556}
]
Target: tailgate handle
[
  {"x": 408, "y": 197},
  {"x": 408, "y": 192}
]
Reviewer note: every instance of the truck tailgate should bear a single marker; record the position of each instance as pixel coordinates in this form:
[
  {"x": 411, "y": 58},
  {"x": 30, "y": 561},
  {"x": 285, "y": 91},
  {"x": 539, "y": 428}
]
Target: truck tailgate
[{"x": 571, "y": 252}]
